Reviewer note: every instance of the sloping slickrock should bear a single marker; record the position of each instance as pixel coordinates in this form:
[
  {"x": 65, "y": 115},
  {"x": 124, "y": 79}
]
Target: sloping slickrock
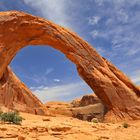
[{"x": 15, "y": 95}]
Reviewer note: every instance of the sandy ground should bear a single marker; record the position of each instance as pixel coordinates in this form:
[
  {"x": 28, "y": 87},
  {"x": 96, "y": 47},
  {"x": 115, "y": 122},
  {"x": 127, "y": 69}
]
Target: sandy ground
[{"x": 66, "y": 128}]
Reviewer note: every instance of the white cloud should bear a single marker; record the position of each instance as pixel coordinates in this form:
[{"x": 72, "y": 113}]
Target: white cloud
[
  {"x": 98, "y": 34},
  {"x": 33, "y": 78},
  {"x": 101, "y": 51},
  {"x": 61, "y": 92},
  {"x": 48, "y": 71},
  {"x": 53, "y": 10},
  {"x": 133, "y": 51},
  {"x": 120, "y": 26},
  {"x": 56, "y": 80},
  {"x": 99, "y": 2},
  {"x": 123, "y": 16},
  {"x": 117, "y": 36},
  {"x": 38, "y": 88},
  {"x": 136, "y": 77},
  {"x": 95, "y": 33},
  {"x": 94, "y": 20}
]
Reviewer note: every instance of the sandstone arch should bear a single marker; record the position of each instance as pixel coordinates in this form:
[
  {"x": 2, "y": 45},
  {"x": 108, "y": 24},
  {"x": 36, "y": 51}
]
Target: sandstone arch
[{"x": 117, "y": 92}]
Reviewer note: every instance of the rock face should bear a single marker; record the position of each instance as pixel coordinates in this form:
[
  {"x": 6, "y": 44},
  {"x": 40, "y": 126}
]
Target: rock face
[
  {"x": 86, "y": 100},
  {"x": 116, "y": 91},
  {"x": 82, "y": 109},
  {"x": 16, "y": 96},
  {"x": 89, "y": 112},
  {"x": 89, "y": 99},
  {"x": 87, "y": 108}
]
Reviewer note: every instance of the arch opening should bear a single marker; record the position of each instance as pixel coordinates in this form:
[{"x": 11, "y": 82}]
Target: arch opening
[{"x": 48, "y": 74}]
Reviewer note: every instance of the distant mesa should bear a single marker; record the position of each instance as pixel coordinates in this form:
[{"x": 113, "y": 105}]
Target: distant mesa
[
  {"x": 86, "y": 100},
  {"x": 85, "y": 108}
]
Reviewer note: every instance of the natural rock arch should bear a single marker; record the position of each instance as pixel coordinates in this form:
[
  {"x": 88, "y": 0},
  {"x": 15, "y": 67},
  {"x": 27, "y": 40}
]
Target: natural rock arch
[{"x": 117, "y": 92}]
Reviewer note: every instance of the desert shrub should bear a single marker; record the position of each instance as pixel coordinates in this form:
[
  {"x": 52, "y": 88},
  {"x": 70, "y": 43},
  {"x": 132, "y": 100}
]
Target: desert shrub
[
  {"x": 0, "y": 112},
  {"x": 125, "y": 125},
  {"x": 12, "y": 117},
  {"x": 94, "y": 120}
]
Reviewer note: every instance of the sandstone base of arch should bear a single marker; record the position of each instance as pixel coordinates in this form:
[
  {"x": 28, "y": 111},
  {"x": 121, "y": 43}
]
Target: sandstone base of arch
[
  {"x": 117, "y": 115},
  {"x": 14, "y": 95}
]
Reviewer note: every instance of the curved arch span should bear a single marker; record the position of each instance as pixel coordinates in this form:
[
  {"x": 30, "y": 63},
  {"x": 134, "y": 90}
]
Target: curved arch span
[{"x": 117, "y": 92}]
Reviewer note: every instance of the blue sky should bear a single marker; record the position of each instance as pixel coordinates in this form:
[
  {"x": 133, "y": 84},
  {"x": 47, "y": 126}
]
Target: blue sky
[{"x": 111, "y": 26}]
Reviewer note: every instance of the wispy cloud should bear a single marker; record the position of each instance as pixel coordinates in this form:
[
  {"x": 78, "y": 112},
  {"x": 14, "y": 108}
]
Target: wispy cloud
[
  {"x": 56, "y": 80},
  {"x": 99, "y": 2},
  {"x": 120, "y": 26},
  {"x": 117, "y": 36},
  {"x": 136, "y": 77},
  {"x": 61, "y": 92},
  {"x": 101, "y": 50},
  {"x": 48, "y": 71},
  {"x": 98, "y": 34},
  {"x": 95, "y": 34},
  {"x": 54, "y": 10},
  {"x": 41, "y": 78},
  {"x": 94, "y": 20}
]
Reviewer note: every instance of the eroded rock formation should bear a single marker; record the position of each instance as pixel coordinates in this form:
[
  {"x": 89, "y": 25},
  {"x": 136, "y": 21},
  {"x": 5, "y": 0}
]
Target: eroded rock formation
[
  {"x": 117, "y": 92},
  {"x": 89, "y": 99},
  {"x": 86, "y": 100},
  {"x": 15, "y": 95},
  {"x": 85, "y": 108}
]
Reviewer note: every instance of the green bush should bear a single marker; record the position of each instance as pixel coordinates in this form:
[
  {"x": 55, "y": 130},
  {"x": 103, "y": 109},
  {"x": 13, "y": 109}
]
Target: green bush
[
  {"x": 0, "y": 112},
  {"x": 12, "y": 117},
  {"x": 94, "y": 120}
]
